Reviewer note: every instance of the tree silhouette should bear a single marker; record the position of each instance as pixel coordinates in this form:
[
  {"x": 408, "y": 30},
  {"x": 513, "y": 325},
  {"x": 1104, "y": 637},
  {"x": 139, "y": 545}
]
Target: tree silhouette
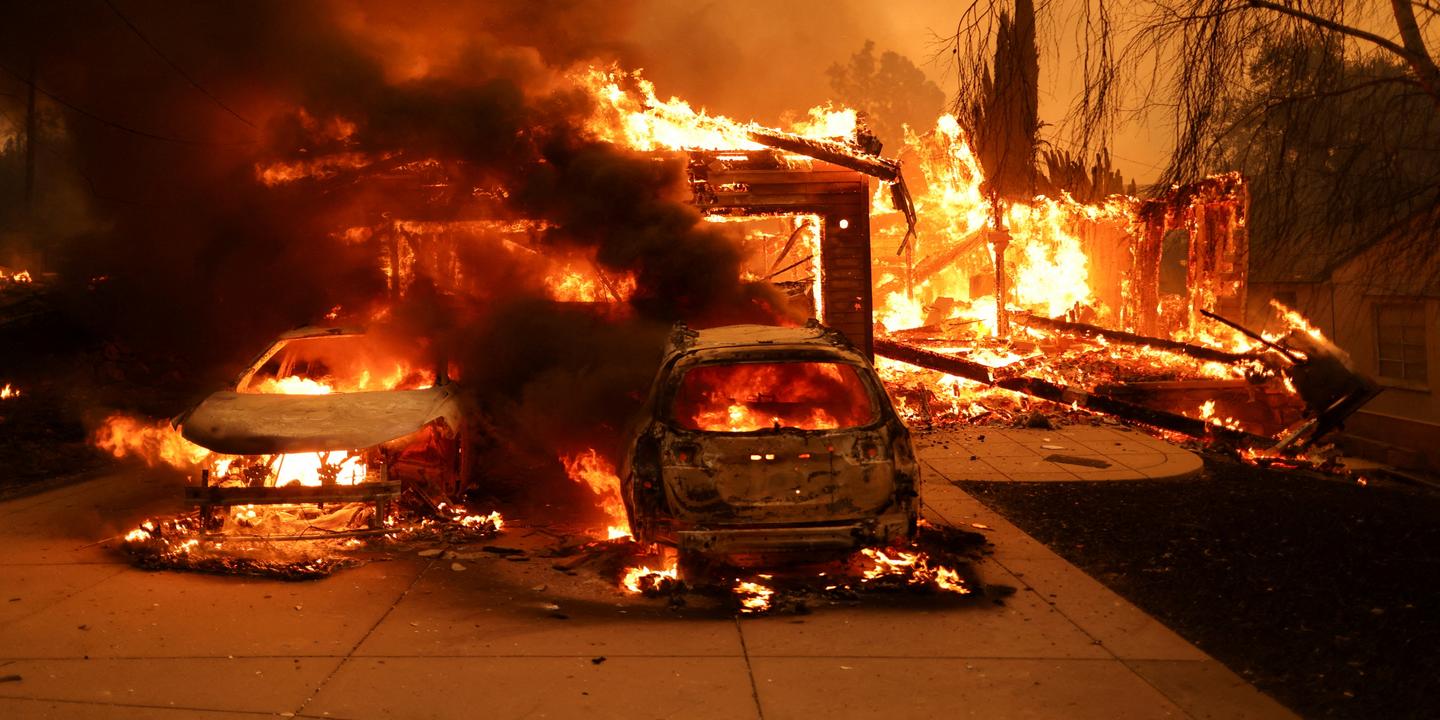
[{"x": 891, "y": 91}]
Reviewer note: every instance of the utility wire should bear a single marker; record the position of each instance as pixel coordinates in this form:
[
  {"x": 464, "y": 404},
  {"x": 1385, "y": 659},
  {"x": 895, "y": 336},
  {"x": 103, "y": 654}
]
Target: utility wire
[
  {"x": 178, "y": 70},
  {"x": 113, "y": 124}
]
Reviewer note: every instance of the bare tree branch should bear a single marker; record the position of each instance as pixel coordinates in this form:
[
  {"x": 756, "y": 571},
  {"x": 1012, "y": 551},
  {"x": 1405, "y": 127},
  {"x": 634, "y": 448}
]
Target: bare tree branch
[{"x": 1329, "y": 24}]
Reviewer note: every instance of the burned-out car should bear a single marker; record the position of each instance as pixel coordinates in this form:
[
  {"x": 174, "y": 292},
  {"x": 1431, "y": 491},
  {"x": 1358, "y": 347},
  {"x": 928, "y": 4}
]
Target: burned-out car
[
  {"x": 331, "y": 415},
  {"x": 760, "y": 442}
]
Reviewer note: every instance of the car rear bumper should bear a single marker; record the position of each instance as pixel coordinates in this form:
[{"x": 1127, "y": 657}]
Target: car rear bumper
[{"x": 769, "y": 540}]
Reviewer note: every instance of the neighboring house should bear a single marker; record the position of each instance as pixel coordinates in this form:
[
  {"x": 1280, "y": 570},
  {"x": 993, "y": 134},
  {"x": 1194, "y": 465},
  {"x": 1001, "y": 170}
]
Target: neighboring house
[{"x": 1381, "y": 304}]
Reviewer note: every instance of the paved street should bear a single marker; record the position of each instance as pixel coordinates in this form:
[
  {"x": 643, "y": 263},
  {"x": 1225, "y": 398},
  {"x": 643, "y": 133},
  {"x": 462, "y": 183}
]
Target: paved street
[{"x": 89, "y": 636}]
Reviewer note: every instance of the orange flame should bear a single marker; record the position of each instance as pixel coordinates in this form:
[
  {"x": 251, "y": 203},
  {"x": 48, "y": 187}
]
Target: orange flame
[
  {"x": 645, "y": 579},
  {"x": 598, "y": 474},
  {"x": 153, "y": 442},
  {"x": 753, "y": 596},
  {"x": 914, "y": 567},
  {"x": 629, "y": 113}
]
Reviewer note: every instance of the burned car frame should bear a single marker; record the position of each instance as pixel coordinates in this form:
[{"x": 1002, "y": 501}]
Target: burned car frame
[
  {"x": 327, "y": 416},
  {"x": 805, "y": 454}
]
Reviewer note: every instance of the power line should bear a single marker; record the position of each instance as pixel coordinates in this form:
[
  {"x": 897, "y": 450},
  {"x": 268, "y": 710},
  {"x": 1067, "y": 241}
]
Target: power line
[
  {"x": 116, "y": 125},
  {"x": 178, "y": 70}
]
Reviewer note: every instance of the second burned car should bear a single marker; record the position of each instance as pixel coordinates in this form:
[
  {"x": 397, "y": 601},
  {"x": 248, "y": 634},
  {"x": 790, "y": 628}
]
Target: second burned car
[
  {"x": 759, "y": 443},
  {"x": 330, "y": 415}
]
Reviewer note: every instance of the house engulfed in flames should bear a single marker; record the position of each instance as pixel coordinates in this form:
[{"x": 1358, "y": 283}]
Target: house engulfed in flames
[{"x": 1128, "y": 307}]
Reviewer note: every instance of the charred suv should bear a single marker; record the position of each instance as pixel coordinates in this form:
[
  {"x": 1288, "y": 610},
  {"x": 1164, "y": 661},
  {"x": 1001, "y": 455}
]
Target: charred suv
[{"x": 761, "y": 442}]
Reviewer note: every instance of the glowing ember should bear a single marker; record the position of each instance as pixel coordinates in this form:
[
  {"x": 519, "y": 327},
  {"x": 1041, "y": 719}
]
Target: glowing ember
[
  {"x": 598, "y": 474},
  {"x": 20, "y": 277},
  {"x": 647, "y": 581},
  {"x": 178, "y": 544},
  {"x": 475, "y": 521},
  {"x": 752, "y": 596},
  {"x": 913, "y": 568}
]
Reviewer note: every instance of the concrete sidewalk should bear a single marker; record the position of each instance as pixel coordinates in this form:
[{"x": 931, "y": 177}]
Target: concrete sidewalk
[
  {"x": 91, "y": 637},
  {"x": 1073, "y": 452}
]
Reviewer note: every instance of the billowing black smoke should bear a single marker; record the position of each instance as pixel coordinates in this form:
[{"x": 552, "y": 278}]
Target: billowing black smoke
[{"x": 161, "y": 113}]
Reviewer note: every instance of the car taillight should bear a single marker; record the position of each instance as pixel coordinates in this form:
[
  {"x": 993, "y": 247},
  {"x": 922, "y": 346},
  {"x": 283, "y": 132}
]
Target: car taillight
[{"x": 686, "y": 454}]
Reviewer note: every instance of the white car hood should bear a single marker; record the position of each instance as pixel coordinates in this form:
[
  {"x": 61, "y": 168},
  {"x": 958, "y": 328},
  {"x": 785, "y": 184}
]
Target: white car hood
[{"x": 250, "y": 424}]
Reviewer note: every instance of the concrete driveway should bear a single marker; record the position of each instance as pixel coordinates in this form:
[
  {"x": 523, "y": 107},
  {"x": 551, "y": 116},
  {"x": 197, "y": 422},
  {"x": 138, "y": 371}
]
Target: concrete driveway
[{"x": 85, "y": 635}]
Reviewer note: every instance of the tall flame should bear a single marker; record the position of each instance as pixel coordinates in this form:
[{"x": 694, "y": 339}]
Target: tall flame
[{"x": 598, "y": 474}]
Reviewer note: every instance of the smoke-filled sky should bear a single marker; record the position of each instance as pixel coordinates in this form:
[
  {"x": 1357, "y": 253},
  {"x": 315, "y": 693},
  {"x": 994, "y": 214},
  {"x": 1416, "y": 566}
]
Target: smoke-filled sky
[{"x": 754, "y": 58}]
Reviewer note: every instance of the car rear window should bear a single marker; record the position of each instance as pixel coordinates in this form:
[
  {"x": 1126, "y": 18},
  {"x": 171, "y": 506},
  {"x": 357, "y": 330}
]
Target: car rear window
[{"x": 744, "y": 397}]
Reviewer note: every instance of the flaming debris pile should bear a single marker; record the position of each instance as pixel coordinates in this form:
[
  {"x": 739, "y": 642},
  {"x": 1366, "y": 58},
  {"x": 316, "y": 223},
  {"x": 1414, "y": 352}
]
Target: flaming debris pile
[
  {"x": 752, "y": 596},
  {"x": 178, "y": 544},
  {"x": 8, "y": 391},
  {"x": 650, "y": 582},
  {"x": 911, "y": 568},
  {"x": 937, "y": 562},
  {"x": 294, "y": 542}
]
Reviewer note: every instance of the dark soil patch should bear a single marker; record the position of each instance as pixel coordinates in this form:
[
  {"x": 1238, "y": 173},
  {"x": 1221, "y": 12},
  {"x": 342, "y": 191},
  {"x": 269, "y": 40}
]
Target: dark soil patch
[
  {"x": 68, "y": 381},
  {"x": 1324, "y": 594}
]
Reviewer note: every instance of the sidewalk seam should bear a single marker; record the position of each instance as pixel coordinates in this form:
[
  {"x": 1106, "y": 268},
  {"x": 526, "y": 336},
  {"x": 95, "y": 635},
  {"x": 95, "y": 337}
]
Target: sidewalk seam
[
  {"x": 749, "y": 670},
  {"x": 1062, "y": 613},
  {"x": 346, "y": 658}
]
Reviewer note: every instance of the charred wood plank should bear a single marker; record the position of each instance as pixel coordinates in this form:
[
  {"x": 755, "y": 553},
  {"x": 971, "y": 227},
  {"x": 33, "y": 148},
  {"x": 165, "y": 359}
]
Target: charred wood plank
[
  {"x": 948, "y": 364},
  {"x": 789, "y": 245},
  {"x": 791, "y": 266},
  {"x": 832, "y": 152},
  {"x": 1046, "y": 390},
  {"x": 936, "y": 262},
  {"x": 1125, "y": 338},
  {"x": 1247, "y": 332}
]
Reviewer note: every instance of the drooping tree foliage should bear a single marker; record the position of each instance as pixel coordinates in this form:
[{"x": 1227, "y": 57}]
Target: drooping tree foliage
[
  {"x": 1341, "y": 151},
  {"x": 1338, "y": 125}
]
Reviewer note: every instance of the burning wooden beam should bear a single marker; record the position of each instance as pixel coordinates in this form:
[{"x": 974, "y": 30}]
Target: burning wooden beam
[
  {"x": 1046, "y": 390},
  {"x": 852, "y": 158},
  {"x": 1118, "y": 336}
]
